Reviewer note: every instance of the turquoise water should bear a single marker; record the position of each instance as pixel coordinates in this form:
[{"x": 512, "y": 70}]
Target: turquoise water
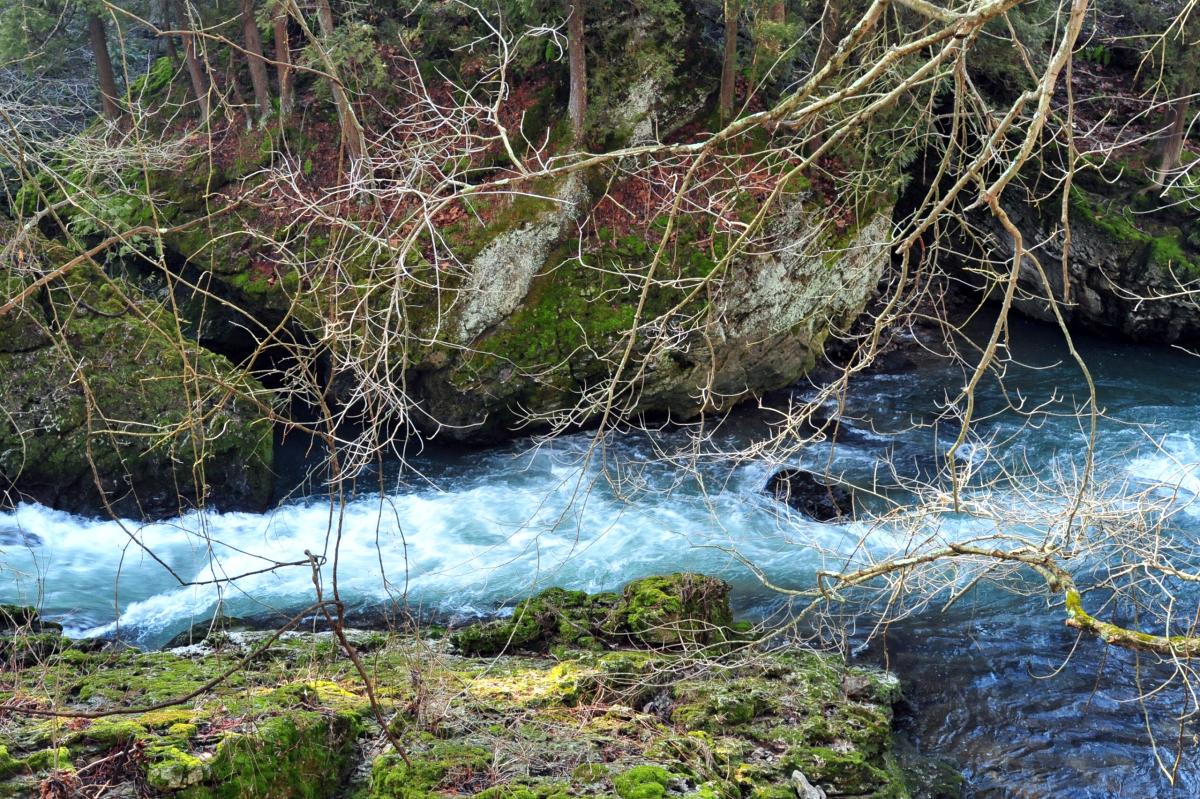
[{"x": 476, "y": 530}]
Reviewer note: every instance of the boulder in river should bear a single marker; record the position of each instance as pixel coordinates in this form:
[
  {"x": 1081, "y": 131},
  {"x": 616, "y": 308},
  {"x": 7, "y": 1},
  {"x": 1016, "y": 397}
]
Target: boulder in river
[
  {"x": 675, "y": 610},
  {"x": 804, "y": 491}
]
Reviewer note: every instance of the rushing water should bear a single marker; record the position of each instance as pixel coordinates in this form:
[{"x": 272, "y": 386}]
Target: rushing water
[{"x": 986, "y": 679}]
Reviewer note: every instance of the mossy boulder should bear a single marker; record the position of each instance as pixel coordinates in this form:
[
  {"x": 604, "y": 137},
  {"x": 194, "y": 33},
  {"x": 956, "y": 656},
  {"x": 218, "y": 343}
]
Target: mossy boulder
[
  {"x": 1131, "y": 254},
  {"x": 663, "y": 611},
  {"x": 108, "y": 407},
  {"x": 26, "y": 638},
  {"x": 675, "y": 609},
  {"x": 295, "y": 721}
]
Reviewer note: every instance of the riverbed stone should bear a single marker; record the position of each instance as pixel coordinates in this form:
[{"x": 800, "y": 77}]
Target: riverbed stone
[{"x": 816, "y": 498}]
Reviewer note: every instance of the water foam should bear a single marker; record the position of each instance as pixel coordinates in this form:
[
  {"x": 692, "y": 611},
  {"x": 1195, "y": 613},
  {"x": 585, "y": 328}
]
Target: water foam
[{"x": 462, "y": 549}]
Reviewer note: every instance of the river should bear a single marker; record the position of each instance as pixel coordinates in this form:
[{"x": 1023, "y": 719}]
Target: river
[{"x": 462, "y": 533}]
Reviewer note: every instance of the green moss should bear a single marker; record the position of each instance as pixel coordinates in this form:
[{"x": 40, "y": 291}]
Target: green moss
[
  {"x": 392, "y": 778},
  {"x": 113, "y": 731},
  {"x": 15, "y": 617},
  {"x": 588, "y": 773},
  {"x": 54, "y": 759},
  {"x": 170, "y": 769},
  {"x": 156, "y": 78},
  {"x": 1160, "y": 249},
  {"x": 713, "y": 706},
  {"x": 302, "y": 754},
  {"x": 852, "y": 771},
  {"x": 134, "y": 369},
  {"x": 513, "y": 727},
  {"x": 578, "y": 308},
  {"x": 659, "y": 611},
  {"x": 677, "y": 609},
  {"x": 642, "y": 782},
  {"x": 9, "y": 765}
]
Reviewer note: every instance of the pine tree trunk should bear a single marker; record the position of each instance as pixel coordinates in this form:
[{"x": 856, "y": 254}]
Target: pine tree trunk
[
  {"x": 577, "y": 56},
  {"x": 729, "y": 63},
  {"x": 104, "y": 68},
  {"x": 199, "y": 78},
  {"x": 252, "y": 41},
  {"x": 283, "y": 58}
]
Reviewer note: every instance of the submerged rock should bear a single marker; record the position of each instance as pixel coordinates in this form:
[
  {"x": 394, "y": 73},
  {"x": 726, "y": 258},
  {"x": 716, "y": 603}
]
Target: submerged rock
[{"x": 804, "y": 491}]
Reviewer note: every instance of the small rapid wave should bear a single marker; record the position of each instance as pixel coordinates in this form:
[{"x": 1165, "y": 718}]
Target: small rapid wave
[
  {"x": 987, "y": 679},
  {"x": 463, "y": 550}
]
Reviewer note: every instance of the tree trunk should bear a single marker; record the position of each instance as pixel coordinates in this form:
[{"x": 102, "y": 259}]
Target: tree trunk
[
  {"x": 104, "y": 69},
  {"x": 352, "y": 134},
  {"x": 283, "y": 58},
  {"x": 231, "y": 80},
  {"x": 729, "y": 63},
  {"x": 578, "y": 99},
  {"x": 1171, "y": 145},
  {"x": 830, "y": 31},
  {"x": 252, "y": 41},
  {"x": 199, "y": 78},
  {"x": 172, "y": 53}
]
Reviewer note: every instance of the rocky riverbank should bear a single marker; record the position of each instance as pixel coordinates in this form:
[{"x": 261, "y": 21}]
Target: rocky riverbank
[{"x": 646, "y": 694}]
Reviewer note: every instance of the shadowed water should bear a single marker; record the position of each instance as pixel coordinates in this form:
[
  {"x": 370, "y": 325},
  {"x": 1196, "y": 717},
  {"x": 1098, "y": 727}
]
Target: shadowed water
[{"x": 986, "y": 680}]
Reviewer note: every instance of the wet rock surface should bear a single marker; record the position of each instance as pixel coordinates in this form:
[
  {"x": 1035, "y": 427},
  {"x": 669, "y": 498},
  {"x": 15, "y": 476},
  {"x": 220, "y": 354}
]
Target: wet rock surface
[{"x": 809, "y": 494}]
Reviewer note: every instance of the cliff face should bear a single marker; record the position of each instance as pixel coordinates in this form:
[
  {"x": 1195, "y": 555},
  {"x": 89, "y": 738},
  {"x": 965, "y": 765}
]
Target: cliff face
[
  {"x": 516, "y": 309},
  {"x": 1129, "y": 269},
  {"x": 100, "y": 406}
]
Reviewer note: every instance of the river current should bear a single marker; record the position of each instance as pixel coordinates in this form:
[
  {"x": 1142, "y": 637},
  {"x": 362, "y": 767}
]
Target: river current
[{"x": 986, "y": 682}]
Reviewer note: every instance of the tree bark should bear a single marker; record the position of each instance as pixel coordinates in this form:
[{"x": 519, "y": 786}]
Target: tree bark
[
  {"x": 830, "y": 31},
  {"x": 729, "y": 63},
  {"x": 252, "y": 41},
  {"x": 1171, "y": 145},
  {"x": 199, "y": 78},
  {"x": 104, "y": 68},
  {"x": 172, "y": 53},
  {"x": 577, "y": 57},
  {"x": 283, "y": 58},
  {"x": 352, "y": 133}
]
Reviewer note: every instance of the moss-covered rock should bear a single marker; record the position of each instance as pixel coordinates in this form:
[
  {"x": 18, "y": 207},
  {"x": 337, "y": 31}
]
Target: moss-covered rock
[
  {"x": 107, "y": 406},
  {"x": 294, "y": 721},
  {"x": 520, "y": 302},
  {"x": 1131, "y": 253},
  {"x": 664, "y": 611}
]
